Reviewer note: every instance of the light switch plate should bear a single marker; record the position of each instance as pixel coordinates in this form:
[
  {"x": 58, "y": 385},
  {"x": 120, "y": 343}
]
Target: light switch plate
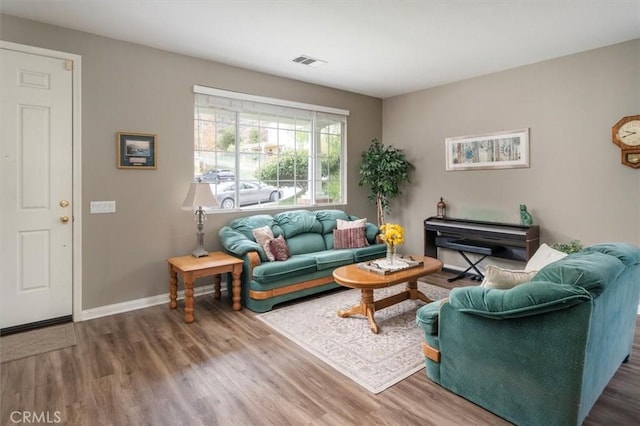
[{"x": 103, "y": 206}]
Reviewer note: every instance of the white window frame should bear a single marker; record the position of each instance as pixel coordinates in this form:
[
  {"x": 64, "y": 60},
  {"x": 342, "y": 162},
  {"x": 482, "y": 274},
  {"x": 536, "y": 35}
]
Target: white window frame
[{"x": 313, "y": 109}]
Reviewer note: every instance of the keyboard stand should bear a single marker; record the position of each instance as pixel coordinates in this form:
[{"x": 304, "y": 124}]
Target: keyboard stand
[
  {"x": 463, "y": 246},
  {"x": 472, "y": 265}
]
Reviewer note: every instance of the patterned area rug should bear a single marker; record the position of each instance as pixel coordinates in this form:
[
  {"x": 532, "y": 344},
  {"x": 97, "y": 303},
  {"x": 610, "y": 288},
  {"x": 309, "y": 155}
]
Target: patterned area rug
[
  {"x": 34, "y": 342},
  {"x": 375, "y": 361}
]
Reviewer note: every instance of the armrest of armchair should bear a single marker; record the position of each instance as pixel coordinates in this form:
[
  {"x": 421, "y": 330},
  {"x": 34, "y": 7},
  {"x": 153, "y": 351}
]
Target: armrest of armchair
[
  {"x": 526, "y": 299},
  {"x": 427, "y": 317}
]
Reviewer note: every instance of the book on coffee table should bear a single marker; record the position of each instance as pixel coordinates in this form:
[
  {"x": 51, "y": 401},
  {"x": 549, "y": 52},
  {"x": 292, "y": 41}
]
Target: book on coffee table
[{"x": 383, "y": 267}]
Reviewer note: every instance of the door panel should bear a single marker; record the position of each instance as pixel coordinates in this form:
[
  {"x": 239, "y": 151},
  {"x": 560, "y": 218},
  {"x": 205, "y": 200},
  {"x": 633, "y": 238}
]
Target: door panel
[{"x": 36, "y": 171}]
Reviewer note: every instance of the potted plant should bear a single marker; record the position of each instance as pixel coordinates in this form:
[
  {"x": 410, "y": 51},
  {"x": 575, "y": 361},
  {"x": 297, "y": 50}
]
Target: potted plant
[{"x": 383, "y": 169}]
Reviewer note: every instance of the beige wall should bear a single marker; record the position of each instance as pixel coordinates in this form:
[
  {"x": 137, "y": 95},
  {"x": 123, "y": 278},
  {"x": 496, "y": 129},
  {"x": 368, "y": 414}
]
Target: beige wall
[
  {"x": 128, "y": 87},
  {"x": 576, "y": 187}
]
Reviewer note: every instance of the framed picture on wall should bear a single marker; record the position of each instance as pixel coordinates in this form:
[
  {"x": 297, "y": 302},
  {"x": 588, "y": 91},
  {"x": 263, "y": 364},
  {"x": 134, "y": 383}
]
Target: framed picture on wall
[
  {"x": 136, "y": 150},
  {"x": 501, "y": 150}
]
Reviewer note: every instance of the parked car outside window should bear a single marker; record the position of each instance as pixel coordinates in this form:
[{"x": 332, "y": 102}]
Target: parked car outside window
[
  {"x": 217, "y": 175},
  {"x": 250, "y": 193}
]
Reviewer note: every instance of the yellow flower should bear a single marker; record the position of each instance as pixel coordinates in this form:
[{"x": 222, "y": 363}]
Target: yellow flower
[{"x": 392, "y": 234}]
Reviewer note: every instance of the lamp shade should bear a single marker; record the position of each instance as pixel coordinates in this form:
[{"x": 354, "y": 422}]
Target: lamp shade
[{"x": 200, "y": 195}]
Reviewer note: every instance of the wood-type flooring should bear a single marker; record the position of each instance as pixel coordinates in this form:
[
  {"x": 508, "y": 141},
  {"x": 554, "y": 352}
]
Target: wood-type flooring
[{"x": 147, "y": 367}]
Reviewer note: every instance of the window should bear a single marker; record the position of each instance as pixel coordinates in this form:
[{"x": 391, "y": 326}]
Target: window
[{"x": 260, "y": 153}]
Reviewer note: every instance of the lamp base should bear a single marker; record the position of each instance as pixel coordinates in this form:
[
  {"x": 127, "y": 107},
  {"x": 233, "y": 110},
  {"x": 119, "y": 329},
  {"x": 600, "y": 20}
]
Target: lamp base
[{"x": 200, "y": 253}]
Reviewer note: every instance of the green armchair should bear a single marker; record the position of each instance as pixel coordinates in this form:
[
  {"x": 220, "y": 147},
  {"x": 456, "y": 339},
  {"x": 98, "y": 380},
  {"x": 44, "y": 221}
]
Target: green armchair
[{"x": 542, "y": 352}]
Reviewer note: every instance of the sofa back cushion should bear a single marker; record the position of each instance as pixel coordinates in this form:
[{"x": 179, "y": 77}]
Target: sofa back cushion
[
  {"x": 328, "y": 219},
  {"x": 246, "y": 225},
  {"x": 294, "y": 222},
  {"x": 306, "y": 243},
  {"x": 592, "y": 271}
]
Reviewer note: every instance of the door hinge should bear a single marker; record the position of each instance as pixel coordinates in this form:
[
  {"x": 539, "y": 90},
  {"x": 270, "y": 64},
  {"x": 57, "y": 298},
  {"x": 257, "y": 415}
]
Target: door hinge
[{"x": 68, "y": 65}]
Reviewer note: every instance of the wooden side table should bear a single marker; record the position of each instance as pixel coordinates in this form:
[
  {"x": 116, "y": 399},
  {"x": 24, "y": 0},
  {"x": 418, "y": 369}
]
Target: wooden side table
[{"x": 190, "y": 268}]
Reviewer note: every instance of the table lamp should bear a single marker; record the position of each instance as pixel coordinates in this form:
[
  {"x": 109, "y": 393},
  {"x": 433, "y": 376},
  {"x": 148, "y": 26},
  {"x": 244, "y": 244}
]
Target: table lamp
[{"x": 199, "y": 199}]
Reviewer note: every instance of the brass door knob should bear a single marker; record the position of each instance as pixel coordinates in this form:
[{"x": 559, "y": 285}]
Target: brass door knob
[
  {"x": 64, "y": 203},
  {"x": 64, "y": 219}
]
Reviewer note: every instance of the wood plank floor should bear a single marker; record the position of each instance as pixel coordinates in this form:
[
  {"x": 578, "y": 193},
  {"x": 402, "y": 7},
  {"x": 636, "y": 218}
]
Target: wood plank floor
[{"x": 148, "y": 367}]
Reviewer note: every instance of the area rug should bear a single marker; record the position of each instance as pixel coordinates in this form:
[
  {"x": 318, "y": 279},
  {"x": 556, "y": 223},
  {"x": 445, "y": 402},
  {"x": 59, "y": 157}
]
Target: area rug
[
  {"x": 34, "y": 342},
  {"x": 374, "y": 361}
]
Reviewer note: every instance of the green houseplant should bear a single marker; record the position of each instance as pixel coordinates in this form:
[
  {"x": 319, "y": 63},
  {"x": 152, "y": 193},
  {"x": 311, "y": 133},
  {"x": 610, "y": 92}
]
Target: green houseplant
[
  {"x": 383, "y": 169},
  {"x": 572, "y": 246}
]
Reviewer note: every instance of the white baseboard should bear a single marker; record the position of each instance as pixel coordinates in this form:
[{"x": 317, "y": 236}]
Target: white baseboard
[{"x": 132, "y": 305}]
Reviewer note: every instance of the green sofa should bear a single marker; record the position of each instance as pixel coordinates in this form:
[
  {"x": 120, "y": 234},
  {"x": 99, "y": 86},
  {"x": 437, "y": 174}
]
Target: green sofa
[
  {"x": 309, "y": 237},
  {"x": 540, "y": 353}
]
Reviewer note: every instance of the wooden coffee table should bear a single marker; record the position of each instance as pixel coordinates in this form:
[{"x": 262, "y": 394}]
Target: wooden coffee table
[{"x": 353, "y": 277}]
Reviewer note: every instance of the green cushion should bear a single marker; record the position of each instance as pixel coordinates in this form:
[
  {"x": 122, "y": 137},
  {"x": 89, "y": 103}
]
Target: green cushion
[
  {"x": 332, "y": 258},
  {"x": 627, "y": 253},
  {"x": 295, "y": 222},
  {"x": 305, "y": 243},
  {"x": 329, "y": 219},
  {"x": 274, "y": 271},
  {"x": 245, "y": 225},
  {"x": 374, "y": 251},
  {"x": 589, "y": 270},
  {"x": 526, "y": 299}
]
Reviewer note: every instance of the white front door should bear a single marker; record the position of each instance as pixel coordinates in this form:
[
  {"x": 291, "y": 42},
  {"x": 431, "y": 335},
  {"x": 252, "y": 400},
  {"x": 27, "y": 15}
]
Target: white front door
[{"x": 36, "y": 177}]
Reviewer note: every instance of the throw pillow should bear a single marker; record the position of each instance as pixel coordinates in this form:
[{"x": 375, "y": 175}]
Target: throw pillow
[
  {"x": 542, "y": 257},
  {"x": 279, "y": 248},
  {"x": 263, "y": 235},
  {"x": 349, "y": 238},
  {"x": 346, "y": 224},
  {"x": 504, "y": 279}
]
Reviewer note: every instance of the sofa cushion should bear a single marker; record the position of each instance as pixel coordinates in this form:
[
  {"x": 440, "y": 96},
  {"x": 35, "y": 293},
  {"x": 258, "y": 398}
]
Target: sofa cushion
[
  {"x": 278, "y": 247},
  {"x": 627, "y": 253},
  {"x": 329, "y": 259},
  {"x": 328, "y": 219},
  {"x": 349, "y": 238},
  {"x": 263, "y": 236},
  {"x": 530, "y": 298},
  {"x": 295, "y": 222},
  {"x": 306, "y": 243},
  {"x": 590, "y": 270},
  {"x": 500, "y": 278},
  {"x": 374, "y": 251},
  {"x": 275, "y": 271},
  {"x": 246, "y": 225}
]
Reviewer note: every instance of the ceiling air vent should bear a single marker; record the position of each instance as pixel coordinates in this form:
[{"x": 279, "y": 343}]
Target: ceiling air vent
[{"x": 308, "y": 61}]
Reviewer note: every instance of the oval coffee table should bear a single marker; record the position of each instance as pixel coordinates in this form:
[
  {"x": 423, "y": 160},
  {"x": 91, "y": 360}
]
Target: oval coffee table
[{"x": 354, "y": 277}]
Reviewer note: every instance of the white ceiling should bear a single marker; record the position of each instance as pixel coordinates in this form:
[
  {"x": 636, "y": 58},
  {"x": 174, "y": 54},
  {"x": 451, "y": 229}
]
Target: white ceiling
[{"x": 379, "y": 48}]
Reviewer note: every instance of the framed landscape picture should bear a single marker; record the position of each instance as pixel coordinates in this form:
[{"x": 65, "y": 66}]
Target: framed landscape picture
[
  {"x": 136, "y": 150},
  {"x": 501, "y": 150}
]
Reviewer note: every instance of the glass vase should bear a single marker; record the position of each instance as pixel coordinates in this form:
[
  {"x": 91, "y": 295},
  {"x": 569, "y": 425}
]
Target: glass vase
[{"x": 391, "y": 254}]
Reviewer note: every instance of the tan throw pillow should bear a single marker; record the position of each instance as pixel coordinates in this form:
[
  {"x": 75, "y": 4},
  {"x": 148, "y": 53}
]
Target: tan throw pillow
[
  {"x": 349, "y": 238},
  {"x": 504, "y": 279},
  {"x": 346, "y": 224},
  {"x": 279, "y": 248},
  {"x": 263, "y": 235}
]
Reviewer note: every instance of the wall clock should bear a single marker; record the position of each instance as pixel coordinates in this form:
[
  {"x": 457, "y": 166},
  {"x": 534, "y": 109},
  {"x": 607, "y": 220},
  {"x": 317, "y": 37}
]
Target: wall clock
[{"x": 626, "y": 134}]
